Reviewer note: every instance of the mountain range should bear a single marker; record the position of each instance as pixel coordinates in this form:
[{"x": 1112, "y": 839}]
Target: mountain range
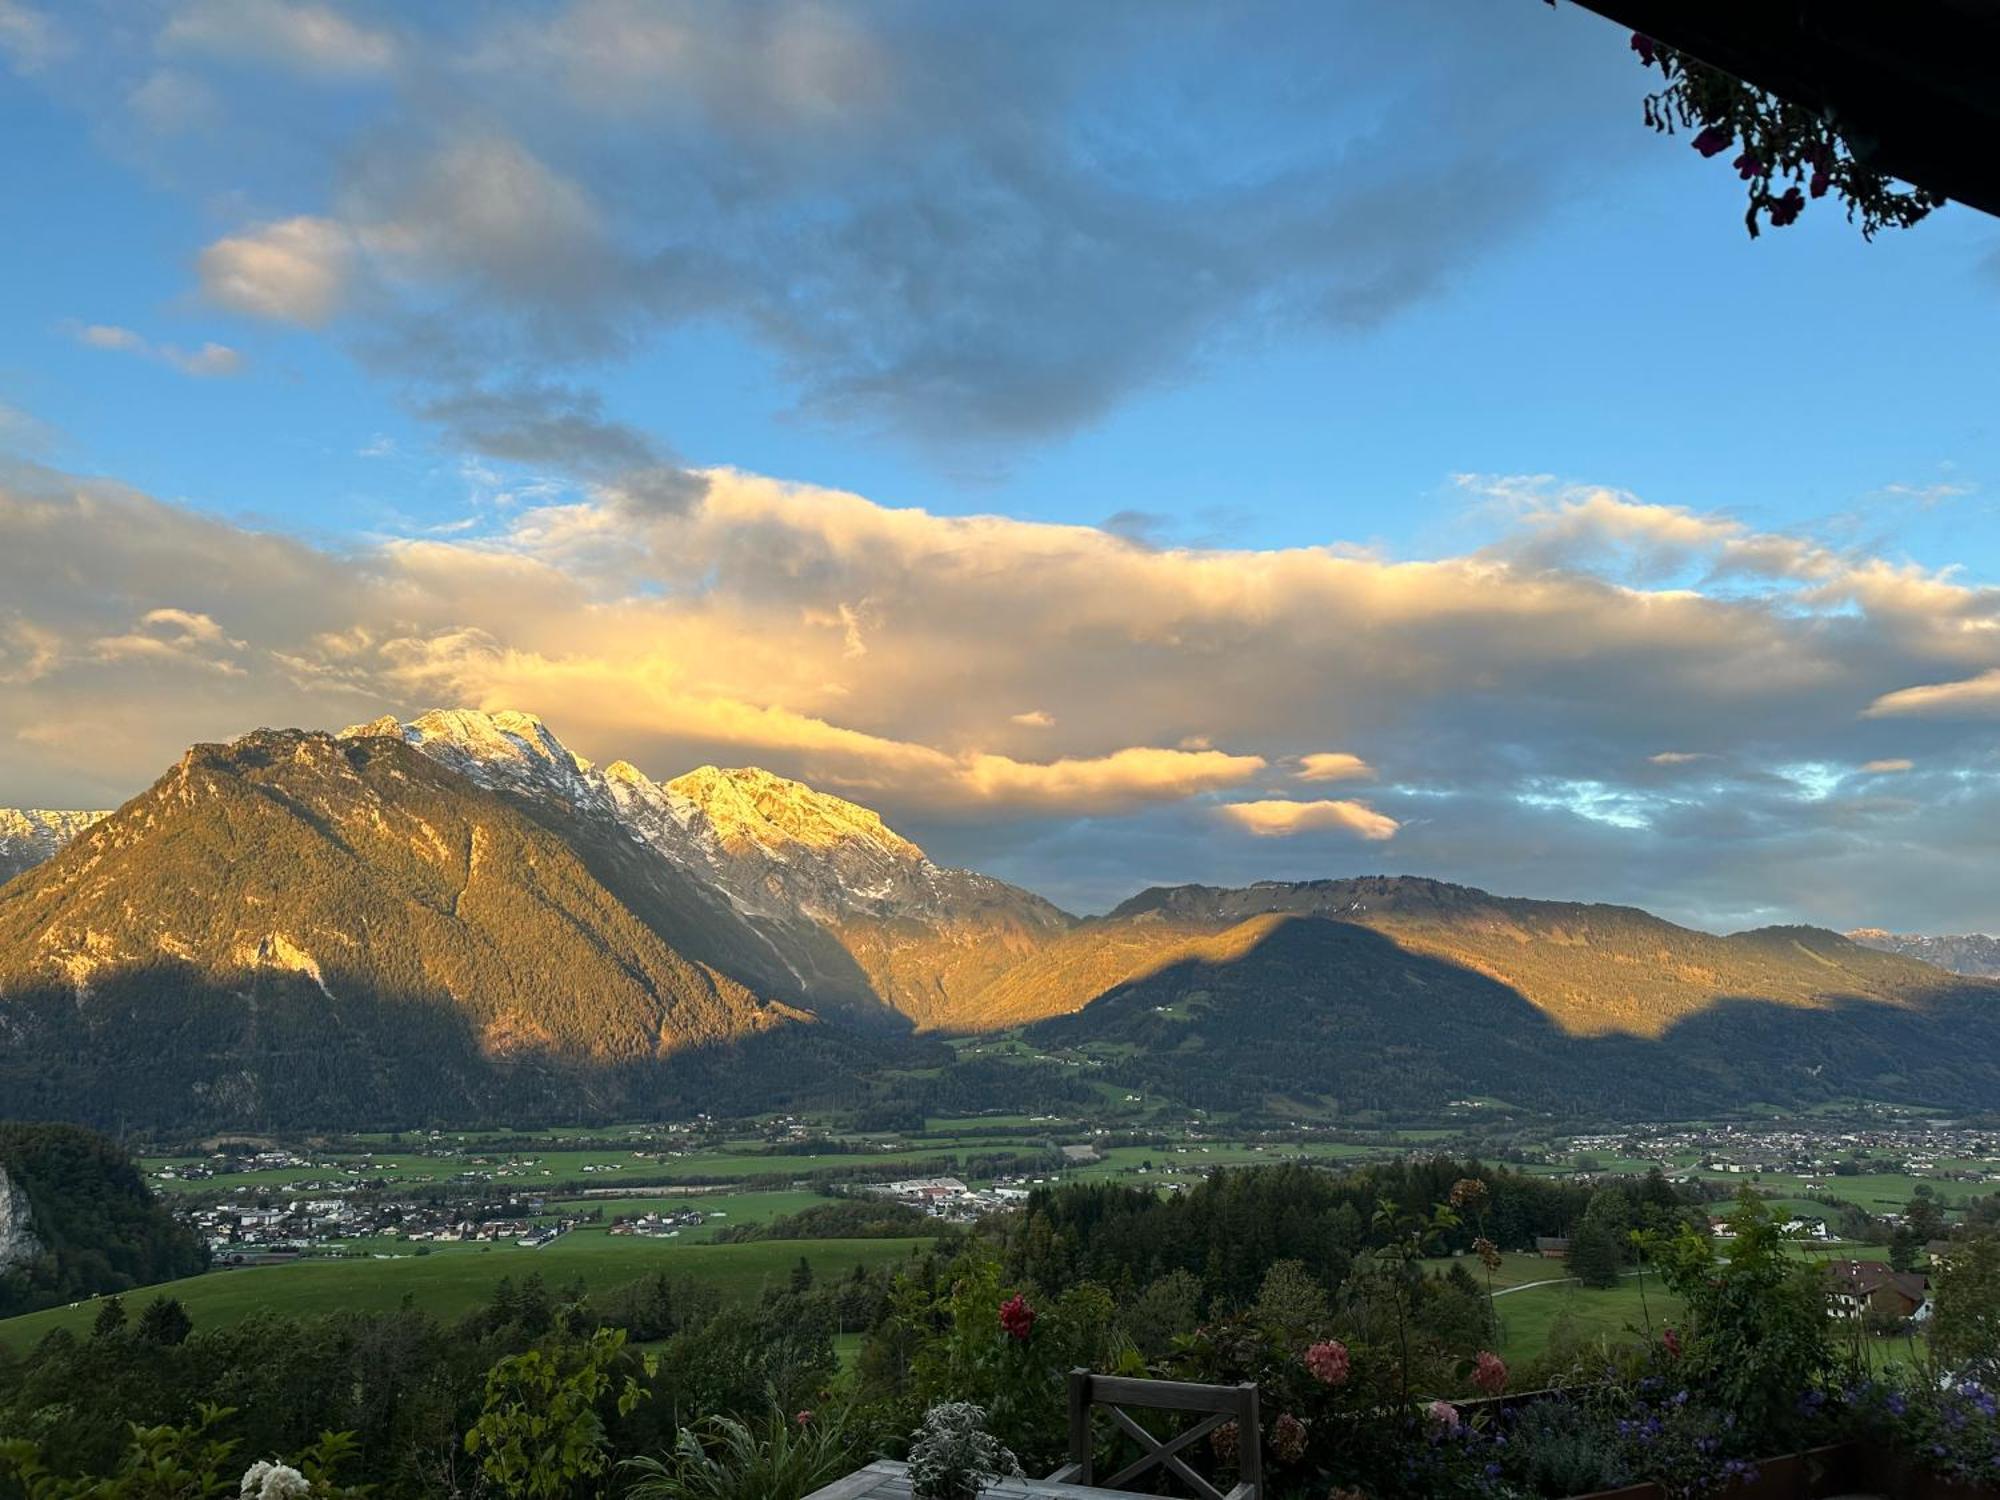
[
  {"x": 458, "y": 918},
  {"x": 1964, "y": 953}
]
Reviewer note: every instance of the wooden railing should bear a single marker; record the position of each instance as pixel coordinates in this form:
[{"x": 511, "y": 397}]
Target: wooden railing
[{"x": 1219, "y": 1403}]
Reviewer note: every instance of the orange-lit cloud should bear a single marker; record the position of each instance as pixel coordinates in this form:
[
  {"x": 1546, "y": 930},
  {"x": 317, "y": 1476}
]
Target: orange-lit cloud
[{"x": 1277, "y": 820}]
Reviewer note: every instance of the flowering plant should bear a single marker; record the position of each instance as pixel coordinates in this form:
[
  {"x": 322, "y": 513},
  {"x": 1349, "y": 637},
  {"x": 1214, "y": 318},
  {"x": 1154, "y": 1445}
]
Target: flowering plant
[
  {"x": 1953, "y": 1430},
  {"x": 1017, "y": 1318},
  {"x": 1489, "y": 1373},
  {"x": 952, "y": 1456},
  {"x": 1329, "y": 1362}
]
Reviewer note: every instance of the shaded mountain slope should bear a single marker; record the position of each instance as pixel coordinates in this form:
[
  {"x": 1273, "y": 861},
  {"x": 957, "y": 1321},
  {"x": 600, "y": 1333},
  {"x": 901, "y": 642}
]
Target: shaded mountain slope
[
  {"x": 1338, "y": 1011},
  {"x": 293, "y": 924},
  {"x": 1592, "y": 969}
]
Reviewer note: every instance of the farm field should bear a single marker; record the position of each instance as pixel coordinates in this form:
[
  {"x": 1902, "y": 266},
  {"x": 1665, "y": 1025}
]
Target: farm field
[{"x": 453, "y": 1280}]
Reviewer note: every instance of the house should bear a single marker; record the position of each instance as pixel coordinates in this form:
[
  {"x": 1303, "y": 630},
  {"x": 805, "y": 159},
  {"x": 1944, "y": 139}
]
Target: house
[
  {"x": 1552, "y": 1246},
  {"x": 1869, "y": 1286}
]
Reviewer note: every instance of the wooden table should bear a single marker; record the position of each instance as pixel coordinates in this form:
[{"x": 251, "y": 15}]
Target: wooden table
[{"x": 886, "y": 1479}]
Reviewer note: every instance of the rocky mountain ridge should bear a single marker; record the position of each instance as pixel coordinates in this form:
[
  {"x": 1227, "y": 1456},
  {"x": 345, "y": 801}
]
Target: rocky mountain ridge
[
  {"x": 29, "y": 835},
  {"x": 1971, "y": 953},
  {"x": 459, "y": 914},
  {"x": 836, "y": 910}
]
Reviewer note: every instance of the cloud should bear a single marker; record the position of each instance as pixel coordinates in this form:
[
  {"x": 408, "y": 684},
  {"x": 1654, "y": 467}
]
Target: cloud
[
  {"x": 29, "y": 40},
  {"x": 1971, "y": 697},
  {"x": 288, "y": 34},
  {"x": 1888, "y": 767},
  {"x": 1333, "y": 765},
  {"x": 1036, "y": 718},
  {"x": 1278, "y": 820},
  {"x": 293, "y": 271},
  {"x": 1522, "y": 705},
  {"x": 209, "y": 359},
  {"x": 964, "y": 231}
]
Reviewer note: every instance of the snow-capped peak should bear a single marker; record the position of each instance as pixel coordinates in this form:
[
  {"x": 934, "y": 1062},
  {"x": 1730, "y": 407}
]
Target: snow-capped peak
[
  {"x": 502, "y": 747},
  {"x": 29, "y": 835},
  {"x": 751, "y": 806}
]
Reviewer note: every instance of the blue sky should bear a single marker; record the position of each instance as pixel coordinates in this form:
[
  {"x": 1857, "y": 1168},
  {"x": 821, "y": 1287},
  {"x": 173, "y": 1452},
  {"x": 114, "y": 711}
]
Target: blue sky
[{"x": 466, "y": 308}]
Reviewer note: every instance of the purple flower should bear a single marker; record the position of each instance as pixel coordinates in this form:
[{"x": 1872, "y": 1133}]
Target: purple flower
[
  {"x": 1787, "y": 209},
  {"x": 1646, "y": 47},
  {"x": 1713, "y": 140},
  {"x": 1748, "y": 165}
]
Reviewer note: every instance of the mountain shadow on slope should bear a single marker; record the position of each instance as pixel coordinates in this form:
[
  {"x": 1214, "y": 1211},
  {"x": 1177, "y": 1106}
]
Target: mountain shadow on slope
[
  {"x": 164, "y": 1046},
  {"x": 1325, "y": 1009}
]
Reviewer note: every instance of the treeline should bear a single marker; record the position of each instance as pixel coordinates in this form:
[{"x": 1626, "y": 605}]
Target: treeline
[
  {"x": 867, "y": 1218},
  {"x": 94, "y": 1225},
  {"x": 1227, "y": 1231},
  {"x": 409, "y": 1385}
]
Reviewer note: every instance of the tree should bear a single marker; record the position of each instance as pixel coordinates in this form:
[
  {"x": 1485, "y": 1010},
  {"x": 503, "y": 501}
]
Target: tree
[
  {"x": 110, "y": 1318},
  {"x": 1923, "y": 1216},
  {"x": 1291, "y": 1300},
  {"x": 1965, "y": 1316},
  {"x": 1594, "y": 1253},
  {"x": 802, "y": 1276},
  {"x": 541, "y": 1432},
  {"x": 165, "y": 1321}
]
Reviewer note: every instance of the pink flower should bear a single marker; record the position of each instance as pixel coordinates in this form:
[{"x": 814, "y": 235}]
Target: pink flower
[
  {"x": 1288, "y": 1438},
  {"x": 1328, "y": 1362},
  {"x": 1489, "y": 1372},
  {"x": 1645, "y": 46},
  {"x": 1225, "y": 1440},
  {"x": 1713, "y": 140},
  {"x": 1443, "y": 1413},
  {"x": 803, "y": 1418},
  {"x": 1673, "y": 1342},
  {"x": 1017, "y": 1318}
]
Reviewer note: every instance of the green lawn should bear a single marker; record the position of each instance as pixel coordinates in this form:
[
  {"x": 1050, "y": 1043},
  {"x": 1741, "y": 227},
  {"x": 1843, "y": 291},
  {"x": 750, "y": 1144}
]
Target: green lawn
[
  {"x": 1528, "y": 1317},
  {"x": 723, "y": 1209},
  {"x": 454, "y": 1280}
]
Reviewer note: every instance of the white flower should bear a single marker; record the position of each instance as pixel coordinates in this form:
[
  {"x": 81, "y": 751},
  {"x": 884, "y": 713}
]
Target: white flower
[{"x": 264, "y": 1480}]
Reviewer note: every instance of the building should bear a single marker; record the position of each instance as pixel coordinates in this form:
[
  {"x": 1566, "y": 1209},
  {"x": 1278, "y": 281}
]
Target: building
[
  {"x": 1552, "y": 1246},
  {"x": 1868, "y": 1286}
]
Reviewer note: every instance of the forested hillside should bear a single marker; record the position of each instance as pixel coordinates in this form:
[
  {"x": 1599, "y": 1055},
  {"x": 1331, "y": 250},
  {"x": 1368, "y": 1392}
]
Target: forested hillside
[{"x": 90, "y": 1224}]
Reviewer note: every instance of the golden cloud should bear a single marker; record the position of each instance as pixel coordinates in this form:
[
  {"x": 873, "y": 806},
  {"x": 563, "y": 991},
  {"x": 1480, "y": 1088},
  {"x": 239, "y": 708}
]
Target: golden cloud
[{"x": 1277, "y": 820}]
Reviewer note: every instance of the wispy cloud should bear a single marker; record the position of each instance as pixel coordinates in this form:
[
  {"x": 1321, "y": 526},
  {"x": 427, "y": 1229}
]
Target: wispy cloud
[{"x": 208, "y": 359}]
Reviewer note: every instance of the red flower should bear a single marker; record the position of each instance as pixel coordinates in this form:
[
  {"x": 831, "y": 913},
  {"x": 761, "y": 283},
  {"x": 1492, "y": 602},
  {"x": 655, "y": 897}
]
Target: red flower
[
  {"x": 1288, "y": 1438},
  {"x": 1787, "y": 209},
  {"x": 1673, "y": 1342},
  {"x": 803, "y": 1418},
  {"x": 1489, "y": 1372},
  {"x": 1645, "y": 46},
  {"x": 1328, "y": 1362},
  {"x": 1017, "y": 1318},
  {"x": 1713, "y": 140}
]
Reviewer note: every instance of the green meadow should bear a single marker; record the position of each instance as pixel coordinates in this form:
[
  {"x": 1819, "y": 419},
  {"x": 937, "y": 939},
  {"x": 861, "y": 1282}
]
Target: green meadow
[{"x": 453, "y": 1280}]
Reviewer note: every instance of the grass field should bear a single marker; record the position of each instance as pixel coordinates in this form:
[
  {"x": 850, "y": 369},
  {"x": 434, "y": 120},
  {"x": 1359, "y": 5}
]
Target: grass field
[{"x": 453, "y": 1281}]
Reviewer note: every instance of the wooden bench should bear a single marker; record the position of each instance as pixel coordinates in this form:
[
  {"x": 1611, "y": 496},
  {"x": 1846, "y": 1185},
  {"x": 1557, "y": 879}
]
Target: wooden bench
[{"x": 1220, "y": 1404}]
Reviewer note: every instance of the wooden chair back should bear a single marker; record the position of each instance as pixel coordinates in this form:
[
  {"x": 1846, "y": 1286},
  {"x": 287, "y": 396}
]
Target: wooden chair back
[{"x": 1219, "y": 1403}]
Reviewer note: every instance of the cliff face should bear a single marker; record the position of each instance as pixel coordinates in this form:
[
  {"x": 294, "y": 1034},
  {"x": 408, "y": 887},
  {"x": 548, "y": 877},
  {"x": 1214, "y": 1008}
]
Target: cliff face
[{"x": 18, "y": 1244}]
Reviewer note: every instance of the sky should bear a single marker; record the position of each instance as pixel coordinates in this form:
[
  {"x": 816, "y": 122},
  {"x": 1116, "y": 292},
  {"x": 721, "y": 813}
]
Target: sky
[{"x": 1124, "y": 444}]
